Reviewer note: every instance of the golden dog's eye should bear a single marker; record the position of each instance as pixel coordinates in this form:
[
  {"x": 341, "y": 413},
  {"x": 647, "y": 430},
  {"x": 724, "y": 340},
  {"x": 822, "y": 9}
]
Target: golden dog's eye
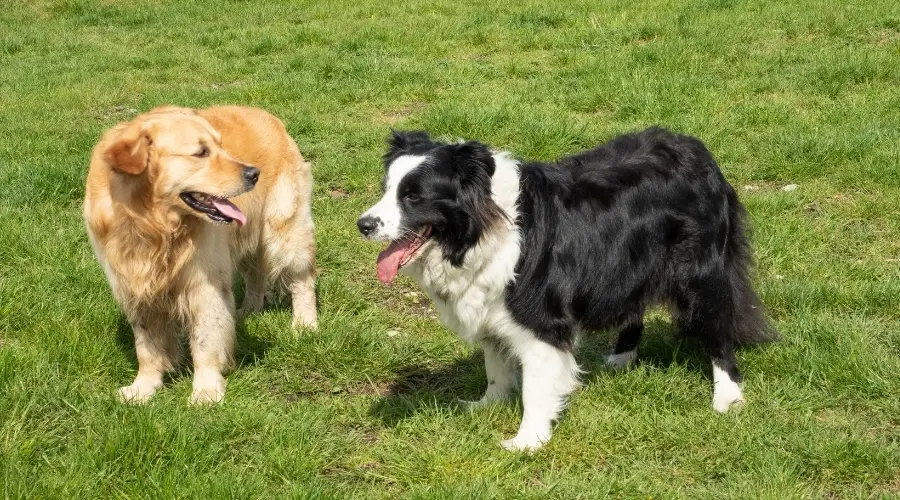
[{"x": 203, "y": 153}]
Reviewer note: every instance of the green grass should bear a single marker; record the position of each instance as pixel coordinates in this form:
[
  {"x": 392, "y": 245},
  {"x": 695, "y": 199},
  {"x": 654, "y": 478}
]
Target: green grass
[{"x": 801, "y": 92}]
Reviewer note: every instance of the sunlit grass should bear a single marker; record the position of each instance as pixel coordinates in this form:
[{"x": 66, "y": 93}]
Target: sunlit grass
[{"x": 783, "y": 92}]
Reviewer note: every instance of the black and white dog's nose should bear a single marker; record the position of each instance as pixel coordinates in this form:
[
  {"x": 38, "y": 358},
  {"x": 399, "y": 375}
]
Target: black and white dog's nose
[{"x": 367, "y": 225}]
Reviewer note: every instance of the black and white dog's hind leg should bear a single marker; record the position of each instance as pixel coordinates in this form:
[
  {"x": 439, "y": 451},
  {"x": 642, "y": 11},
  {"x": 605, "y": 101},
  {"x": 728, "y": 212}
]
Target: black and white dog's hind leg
[
  {"x": 549, "y": 375},
  {"x": 625, "y": 352},
  {"x": 727, "y": 391},
  {"x": 709, "y": 312}
]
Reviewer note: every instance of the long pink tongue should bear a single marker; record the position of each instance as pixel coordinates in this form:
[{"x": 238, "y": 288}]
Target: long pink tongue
[
  {"x": 389, "y": 260},
  {"x": 229, "y": 209}
]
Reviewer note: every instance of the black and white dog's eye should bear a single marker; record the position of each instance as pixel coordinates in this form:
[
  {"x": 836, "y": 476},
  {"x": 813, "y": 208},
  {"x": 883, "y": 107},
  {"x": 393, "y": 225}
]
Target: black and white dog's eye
[{"x": 413, "y": 198}]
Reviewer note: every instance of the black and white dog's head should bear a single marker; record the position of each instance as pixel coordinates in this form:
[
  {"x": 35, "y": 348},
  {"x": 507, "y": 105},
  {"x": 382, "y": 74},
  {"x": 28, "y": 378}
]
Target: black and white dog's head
[{"x": 435, "y": 193}]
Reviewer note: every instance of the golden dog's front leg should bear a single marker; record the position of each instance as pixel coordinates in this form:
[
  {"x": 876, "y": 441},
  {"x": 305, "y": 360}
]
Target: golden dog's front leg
[
  {"x": 303, "y": 298},
  {"x": 157, "y": 351},
  {"x": 212, "y": 340}
]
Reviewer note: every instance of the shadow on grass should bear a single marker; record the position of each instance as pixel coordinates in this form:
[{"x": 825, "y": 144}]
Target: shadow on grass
[
  {"x": 662, "y": 345},
  {"x": 417, "y": 387},
  {"x": 278, "y": 297}
]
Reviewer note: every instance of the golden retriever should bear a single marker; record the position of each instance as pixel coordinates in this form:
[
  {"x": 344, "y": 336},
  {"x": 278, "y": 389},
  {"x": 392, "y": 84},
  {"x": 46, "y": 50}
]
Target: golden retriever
[{"x": 176, "y": 198}]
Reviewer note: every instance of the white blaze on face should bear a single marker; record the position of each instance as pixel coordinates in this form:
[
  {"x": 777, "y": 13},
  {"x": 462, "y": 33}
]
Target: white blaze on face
[{"x": 387, "y": 210}]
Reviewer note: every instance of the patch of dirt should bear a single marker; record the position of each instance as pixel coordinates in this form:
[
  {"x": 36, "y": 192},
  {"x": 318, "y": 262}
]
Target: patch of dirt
[
  {"x": 842, "y": 199},
  {"x": 889, "y": 429},
  {"x": 391, "y": 117},
  {"x": 381, "y": 388},
  {"x": 885, "y": 37},
  {"x": 119, "y": 113},
  {"x": 404, "y": 296},
  {"x": 236, "y": 83},
  {"x": 353, "y": 473},
  {"x": 338, "y": 193},
  {"x": 371, "y": 437},
  {"x": 340, "y": 471},
  {"x": 760, "y": 186},
  {"x": 813, "y": 210},
  {"x": 891, "y": 487},
  {"x": 644, "y": 40},
  {"x": 320, "y": 387}
]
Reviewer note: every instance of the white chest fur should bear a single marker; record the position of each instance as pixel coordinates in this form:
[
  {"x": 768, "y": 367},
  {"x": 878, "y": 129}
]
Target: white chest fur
[{"x": 470, "y": 298}]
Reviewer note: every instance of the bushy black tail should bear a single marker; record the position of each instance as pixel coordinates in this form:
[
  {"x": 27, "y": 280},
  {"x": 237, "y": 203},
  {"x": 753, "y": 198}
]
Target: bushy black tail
[{"x": 750, "y": 325}]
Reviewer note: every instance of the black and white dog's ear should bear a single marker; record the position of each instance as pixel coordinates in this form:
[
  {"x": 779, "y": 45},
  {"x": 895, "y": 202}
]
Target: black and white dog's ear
[
  {"x": 401, "y": 141},
  {"x": 475, "y": 211},
  {"x": 474, "y": 161}
]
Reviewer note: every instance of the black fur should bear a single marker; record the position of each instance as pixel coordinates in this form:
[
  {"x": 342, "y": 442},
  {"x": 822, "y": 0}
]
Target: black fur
[
  {"x": 647, "y": 218},
  {"x": 453, "y": 190}
]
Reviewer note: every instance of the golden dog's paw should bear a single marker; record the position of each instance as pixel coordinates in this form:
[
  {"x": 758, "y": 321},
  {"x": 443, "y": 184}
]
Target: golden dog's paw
[
  {"x": 251, "y": 305},
  {"x": 209, "y": 388},
  {"x": 207, "y": 396},
  {"x": 136, "y": 393},
  {"x": 305, "y": 324}
]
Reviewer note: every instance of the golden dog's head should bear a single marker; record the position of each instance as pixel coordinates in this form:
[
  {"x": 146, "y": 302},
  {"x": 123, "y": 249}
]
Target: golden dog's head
[{"x": 176, "y": 158}]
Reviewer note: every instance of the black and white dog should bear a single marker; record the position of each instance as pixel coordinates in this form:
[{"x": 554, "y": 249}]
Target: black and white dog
[{"x": 521, "y": 257}]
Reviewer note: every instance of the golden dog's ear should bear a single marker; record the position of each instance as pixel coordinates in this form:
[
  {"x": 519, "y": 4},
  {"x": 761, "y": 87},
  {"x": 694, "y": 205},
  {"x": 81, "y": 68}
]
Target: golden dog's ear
[{"x": 130, "y": 152}]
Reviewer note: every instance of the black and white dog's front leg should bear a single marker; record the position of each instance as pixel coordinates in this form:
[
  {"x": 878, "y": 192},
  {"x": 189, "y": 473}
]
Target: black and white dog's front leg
[
  {"x": 501, "y": 374},
  {"x": 549, "y": 375}
]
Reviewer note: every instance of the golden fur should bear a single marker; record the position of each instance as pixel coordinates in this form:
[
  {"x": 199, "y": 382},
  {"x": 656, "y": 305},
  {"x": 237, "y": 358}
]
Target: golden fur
[{"x": 169, "y": 266}]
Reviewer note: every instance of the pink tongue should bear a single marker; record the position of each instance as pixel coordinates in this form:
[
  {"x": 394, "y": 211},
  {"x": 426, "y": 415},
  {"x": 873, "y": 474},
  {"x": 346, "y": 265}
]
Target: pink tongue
[
  {"x": 229, "y": 209},
  {"x": 389, "y": 260}
]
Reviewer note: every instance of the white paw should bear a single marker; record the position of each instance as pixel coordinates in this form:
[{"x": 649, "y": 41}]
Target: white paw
[
  {"x": 489, "y": 398},
  {"x": 474, "y": 405},
  {"x": 209, "y": 388},
  {"x": 305, "y": 323},
  {"x": 137, "y": 393},
  {"x": 527, "y": 444},
  {"x": 726, "y": 392},
  {"x": 622, "y": 360},
  {"x": 722, "y": 403}
]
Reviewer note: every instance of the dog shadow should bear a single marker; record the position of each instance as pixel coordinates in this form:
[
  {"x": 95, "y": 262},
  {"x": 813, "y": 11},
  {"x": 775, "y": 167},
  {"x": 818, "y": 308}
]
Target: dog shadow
[
  {"x": 278, "y": 297},
  {"x": 249, "y": 349},
  {"x": 417, "y": 387}
]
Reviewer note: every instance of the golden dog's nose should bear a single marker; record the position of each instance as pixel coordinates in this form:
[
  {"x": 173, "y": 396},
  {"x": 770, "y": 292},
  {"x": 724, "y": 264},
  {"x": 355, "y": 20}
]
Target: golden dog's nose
[{"x": 251, "y": 176}]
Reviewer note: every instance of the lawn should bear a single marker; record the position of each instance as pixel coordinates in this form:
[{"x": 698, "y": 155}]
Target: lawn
[{"x": 798, "y": 92}]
